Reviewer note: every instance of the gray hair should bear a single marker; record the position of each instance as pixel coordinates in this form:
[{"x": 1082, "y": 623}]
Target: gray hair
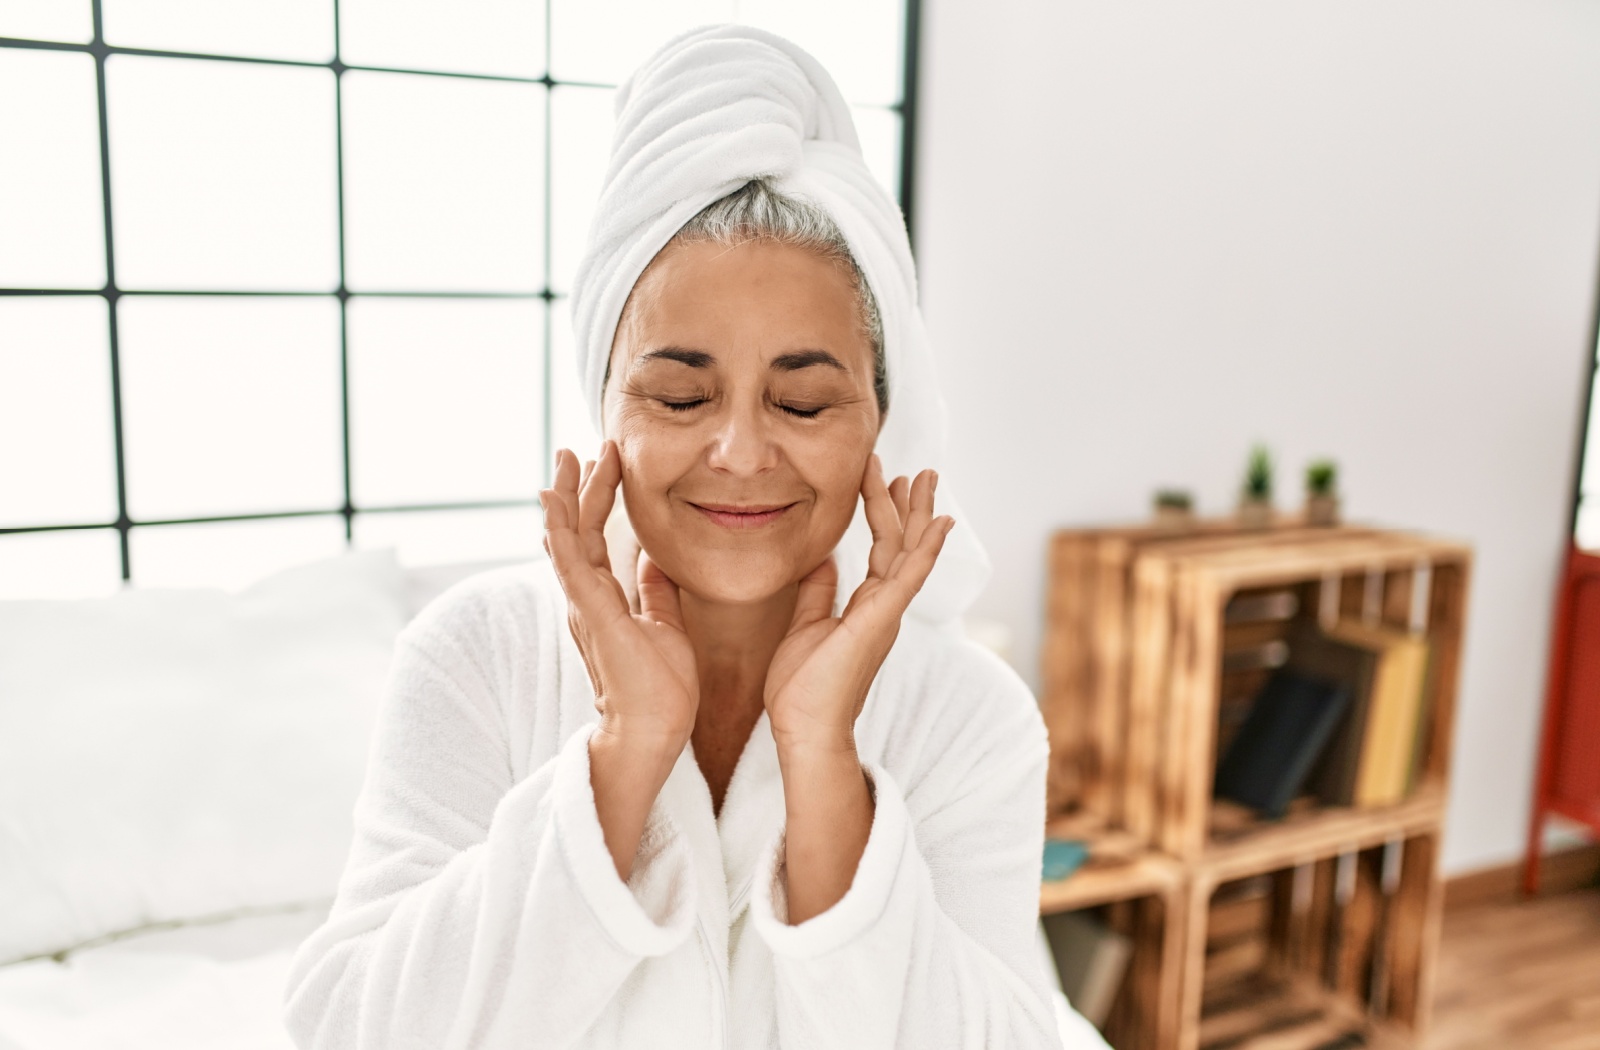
[{"x": 758, "y": 212}]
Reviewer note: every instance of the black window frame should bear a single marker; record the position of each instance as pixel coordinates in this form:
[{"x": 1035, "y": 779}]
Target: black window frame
[{"x": 112, "y": 293}]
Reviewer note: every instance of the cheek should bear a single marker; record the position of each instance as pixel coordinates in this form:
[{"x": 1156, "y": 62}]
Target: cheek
[
  {"x": 833, "y": 470},
  {"x": 653, "y": 456}
]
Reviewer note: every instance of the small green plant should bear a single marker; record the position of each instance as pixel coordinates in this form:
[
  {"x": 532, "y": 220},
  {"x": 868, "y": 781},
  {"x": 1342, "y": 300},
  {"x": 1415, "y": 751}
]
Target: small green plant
[
  {"x": 1176, "y": 499},
  {"x": 1321, "y": 477},
  {"x": 1258, "y": 476}
]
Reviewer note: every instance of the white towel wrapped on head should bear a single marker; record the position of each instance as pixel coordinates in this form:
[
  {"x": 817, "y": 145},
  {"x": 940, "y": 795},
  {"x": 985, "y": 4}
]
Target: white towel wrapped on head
[{"x": 714, "y": 109}]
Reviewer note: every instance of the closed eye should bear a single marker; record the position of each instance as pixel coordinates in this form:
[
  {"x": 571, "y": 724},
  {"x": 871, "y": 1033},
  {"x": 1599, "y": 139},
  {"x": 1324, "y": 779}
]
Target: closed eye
[
  {"x": 803, "y": 413},
  {"x": 683, "y": 406}
]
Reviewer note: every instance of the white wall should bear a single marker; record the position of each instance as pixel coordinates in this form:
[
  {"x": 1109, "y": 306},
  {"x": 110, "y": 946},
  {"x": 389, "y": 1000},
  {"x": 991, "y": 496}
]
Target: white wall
[{"x": 1153, "y": 233}]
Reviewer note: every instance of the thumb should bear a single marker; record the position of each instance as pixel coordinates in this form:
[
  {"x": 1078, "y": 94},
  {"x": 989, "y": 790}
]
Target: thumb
[
  {"x": 817, "y": 588},
  {"x": 658, "y": 595}
]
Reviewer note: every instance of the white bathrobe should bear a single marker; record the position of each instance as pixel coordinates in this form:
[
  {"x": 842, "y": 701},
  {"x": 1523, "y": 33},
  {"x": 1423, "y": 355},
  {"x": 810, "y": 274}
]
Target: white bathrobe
[{"x": 481, "y": 908}]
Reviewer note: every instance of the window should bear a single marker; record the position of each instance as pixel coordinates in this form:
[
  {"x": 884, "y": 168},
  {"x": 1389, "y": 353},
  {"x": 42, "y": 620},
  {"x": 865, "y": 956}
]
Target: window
[
  {"x": 283, "y": 276},
  {"x": 1586, "y": 497}
]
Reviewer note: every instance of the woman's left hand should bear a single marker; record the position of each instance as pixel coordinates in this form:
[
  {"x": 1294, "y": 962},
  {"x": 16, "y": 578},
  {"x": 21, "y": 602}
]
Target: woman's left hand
[{"x": 819, "y": 675}]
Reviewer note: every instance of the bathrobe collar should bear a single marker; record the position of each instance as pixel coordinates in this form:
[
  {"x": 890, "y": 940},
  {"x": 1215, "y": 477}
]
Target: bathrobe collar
[{"x": 733, "y": 841}]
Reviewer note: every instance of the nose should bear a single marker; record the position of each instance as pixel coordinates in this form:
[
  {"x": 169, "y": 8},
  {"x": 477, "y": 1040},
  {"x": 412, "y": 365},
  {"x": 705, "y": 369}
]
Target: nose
[{"x": 743, "y": 444}]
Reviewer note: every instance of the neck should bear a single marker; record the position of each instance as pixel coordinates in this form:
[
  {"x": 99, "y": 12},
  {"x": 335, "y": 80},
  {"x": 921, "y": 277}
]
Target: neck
[{"x": 733, "y": 647}]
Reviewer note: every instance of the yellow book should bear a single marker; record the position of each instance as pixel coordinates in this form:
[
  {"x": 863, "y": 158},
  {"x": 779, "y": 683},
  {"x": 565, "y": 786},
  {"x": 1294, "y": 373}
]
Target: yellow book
[{"x": 1389, "y": 738}]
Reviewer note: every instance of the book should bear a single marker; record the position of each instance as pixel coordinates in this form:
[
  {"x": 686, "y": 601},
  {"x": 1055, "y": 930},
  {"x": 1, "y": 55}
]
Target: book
[
  {"x": 1062, "y": 857},
  {"x": 1091, "y": 960},
  {"x": 1424, "y": 723},
  {"x": 1390, "y": 737},
  {"x": 1288, "y": 726},
  {"x": 1333, "y": 778}
]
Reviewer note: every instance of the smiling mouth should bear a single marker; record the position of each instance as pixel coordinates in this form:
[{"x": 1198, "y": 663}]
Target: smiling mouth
[{"x": 751, "y": 517}]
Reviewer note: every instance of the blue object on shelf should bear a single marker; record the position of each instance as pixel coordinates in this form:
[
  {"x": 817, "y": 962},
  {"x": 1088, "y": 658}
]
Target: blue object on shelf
[{"x": 1062, "y": 857}]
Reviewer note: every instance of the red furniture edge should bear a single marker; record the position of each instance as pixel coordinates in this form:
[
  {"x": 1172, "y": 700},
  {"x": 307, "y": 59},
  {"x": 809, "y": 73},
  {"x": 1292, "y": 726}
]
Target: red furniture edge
[{"x": 1568, "y": 781}]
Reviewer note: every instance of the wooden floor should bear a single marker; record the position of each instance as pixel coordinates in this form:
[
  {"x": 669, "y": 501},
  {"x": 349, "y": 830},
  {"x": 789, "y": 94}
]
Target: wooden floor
[{"x": 1520, "y": 976}]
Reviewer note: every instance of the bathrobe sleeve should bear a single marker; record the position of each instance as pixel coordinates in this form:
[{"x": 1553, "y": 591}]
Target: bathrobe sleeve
[
  {"x": 474, "y": 911},
  {"x": 934, "y": 945}
]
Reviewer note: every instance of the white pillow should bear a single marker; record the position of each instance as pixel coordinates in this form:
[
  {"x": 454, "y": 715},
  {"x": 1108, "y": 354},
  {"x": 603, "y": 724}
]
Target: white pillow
[{"x": 173, "y": 754}]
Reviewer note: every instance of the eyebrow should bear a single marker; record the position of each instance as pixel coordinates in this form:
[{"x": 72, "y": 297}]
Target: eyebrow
[
  {"x": 798, "y": 359},
  {"x": 792, "y": 361},
  {"x": 692, "y": 358}
]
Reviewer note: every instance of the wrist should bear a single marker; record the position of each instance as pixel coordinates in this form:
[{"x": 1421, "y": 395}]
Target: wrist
[
  {"x": 819, "y": 752},
  {"x": 650, "y": 746}
]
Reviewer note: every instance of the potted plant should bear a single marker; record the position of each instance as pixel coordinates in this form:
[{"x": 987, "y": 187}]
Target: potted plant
[
  {"x": 1255, "y": 499},
  {"x": 1174, "y": 509},
  {"x": 1322, "y": 495}
]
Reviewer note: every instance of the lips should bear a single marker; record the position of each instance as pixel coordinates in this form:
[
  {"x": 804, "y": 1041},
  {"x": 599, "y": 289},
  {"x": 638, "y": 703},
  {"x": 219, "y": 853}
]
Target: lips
[{"x": 750, "y": 516}]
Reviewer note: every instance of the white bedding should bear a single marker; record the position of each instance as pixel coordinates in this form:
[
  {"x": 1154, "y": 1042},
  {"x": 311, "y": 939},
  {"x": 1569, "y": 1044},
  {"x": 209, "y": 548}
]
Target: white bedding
[{"x": 213, "y": 986}]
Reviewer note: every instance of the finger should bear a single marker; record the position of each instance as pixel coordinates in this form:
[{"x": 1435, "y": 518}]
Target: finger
[
  {"x": 921, "y": 506},
  {"x": 882, "y": 519},
  {"x": 899, "y": 491},
  {"x": 595, "y": 500},
  {"x": 582, "y": 586},
  {"x": 555, "y": 510},
  {"x": 583, "y": 482},
  {"x": 631, "y": 563},
  {"x": 658, "y": 595},
  {"x": 913, "y": 567},
  {"x": 565, "y": 485},
  {"x": 817, "y": 589}
]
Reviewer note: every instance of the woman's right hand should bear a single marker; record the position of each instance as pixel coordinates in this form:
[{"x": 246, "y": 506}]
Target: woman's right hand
[{"x": 640, "y": 664}]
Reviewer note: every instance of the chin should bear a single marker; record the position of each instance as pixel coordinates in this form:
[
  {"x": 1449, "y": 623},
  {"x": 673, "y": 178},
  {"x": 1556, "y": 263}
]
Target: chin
[{"x": 745, "y": 578}]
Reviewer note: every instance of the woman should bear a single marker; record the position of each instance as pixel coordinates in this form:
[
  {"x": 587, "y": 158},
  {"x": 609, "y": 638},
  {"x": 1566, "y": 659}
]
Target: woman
[{"x": 713, "y": 809}]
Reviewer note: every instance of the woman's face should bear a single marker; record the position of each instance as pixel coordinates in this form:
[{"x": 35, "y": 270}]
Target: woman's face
[{"x": 741, "y": 400}]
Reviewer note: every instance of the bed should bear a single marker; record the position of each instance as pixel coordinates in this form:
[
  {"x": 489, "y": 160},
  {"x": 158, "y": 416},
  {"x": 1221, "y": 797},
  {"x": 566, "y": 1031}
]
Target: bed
[{"x": 177, "y": 772}]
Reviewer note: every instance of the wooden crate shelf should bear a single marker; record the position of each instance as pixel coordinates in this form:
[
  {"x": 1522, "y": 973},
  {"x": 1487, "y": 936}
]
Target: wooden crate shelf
[
  {"x": 1156, "y": 642},
  {"x": 1143, "y": 894}
]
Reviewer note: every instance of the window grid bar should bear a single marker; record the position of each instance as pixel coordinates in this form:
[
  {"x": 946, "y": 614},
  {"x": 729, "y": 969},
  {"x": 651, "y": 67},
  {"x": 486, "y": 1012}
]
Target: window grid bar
[
  {"x": 398, "y": 508},
  {"x": 547, "y": 335},
  {"x": 910, "y": 48},
  {"x": 98, "y": 47},
  {"x": 1585, "y": 449},
  {"x": 102, "y": 49},
  {"x": 543, "y": 293},
  {"x": 348, "y": 509},
  {"x": 122, "y": 523}
]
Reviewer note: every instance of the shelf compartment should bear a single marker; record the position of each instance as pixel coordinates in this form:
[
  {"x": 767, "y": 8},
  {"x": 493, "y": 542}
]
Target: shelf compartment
[
  {"x": 1088, "y": 645},
  {"x": 1177, "y": 679},
  {"x": 1140, "y": 893},
  {"x": 1341, "y": 942}
]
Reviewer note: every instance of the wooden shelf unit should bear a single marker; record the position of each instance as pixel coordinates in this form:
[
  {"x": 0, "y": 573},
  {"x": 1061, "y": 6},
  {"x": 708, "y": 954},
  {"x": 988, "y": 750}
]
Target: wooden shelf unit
[{"x": 1140, "y": 685}]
